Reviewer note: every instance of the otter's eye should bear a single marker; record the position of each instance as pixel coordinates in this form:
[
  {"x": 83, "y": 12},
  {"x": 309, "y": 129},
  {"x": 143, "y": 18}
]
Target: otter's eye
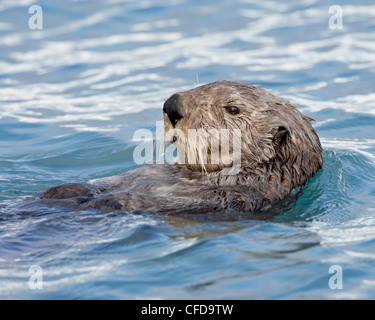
[{"x": 232, "y": 110}]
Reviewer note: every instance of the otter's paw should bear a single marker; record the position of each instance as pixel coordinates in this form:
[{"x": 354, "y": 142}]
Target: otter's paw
[
  {"x": 106, "y": 202},
  {"x": 69, "y": 190}
]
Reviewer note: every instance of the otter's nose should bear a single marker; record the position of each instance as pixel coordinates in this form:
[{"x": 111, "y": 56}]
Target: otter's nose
[{"x": 171, "y": 108}]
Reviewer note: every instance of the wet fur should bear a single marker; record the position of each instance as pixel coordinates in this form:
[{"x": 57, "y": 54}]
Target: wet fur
[{"x": 280, "y": 153}]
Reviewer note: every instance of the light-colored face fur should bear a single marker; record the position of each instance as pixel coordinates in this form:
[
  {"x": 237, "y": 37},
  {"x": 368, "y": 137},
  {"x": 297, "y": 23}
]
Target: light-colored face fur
[{"x": 272, "y": 130}]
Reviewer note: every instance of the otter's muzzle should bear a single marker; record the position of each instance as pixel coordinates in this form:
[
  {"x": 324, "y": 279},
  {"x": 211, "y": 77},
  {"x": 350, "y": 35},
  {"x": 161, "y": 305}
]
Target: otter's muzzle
[{"x": 171, "y": 108}]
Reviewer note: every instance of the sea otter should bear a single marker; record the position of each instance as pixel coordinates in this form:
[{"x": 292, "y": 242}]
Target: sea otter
[{"x": 279, "y": 152}]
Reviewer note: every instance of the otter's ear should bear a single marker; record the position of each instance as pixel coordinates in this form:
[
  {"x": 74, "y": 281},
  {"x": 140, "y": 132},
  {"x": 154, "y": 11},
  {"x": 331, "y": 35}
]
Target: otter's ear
[{"x": 280, "y": 136}]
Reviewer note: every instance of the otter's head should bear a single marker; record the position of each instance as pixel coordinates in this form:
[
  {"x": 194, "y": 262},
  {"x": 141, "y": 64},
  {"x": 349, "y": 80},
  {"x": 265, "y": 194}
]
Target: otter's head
[{"x": 272, "y": 131}]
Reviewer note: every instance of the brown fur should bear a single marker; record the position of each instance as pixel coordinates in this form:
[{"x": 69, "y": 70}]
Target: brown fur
[{"x": 280, "y": 152}]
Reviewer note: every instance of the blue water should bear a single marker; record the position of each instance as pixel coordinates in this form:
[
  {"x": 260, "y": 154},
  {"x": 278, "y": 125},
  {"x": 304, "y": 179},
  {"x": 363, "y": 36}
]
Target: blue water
[{"x": 72, "y": 95}]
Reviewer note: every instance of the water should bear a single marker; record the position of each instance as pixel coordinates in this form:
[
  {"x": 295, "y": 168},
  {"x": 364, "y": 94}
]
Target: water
[{"x": 73, "y": 94}]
